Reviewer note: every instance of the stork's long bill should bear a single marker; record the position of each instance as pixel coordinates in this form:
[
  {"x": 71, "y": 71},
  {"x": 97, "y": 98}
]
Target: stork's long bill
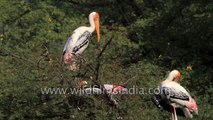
[{"x": 97, "y": 24}]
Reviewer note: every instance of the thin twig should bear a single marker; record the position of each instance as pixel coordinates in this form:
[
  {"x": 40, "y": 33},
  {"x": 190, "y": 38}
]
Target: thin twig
[
  {"x": 104, "y": 48},
  {"x": 108, "y": 96},
  {"x": 99, "y": 58},
  {"x": 126, "y": 82}
]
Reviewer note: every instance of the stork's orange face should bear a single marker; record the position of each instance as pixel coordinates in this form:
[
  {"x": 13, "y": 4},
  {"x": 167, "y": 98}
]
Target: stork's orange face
[
  {"x": 97, "y": 24},
  {"x": 177, "y": 76},
  {"x": 81, "y": 83}
]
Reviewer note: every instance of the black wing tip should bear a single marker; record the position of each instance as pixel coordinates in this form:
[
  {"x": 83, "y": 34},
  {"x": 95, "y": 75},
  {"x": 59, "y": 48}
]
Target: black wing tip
[{"x": 64, "y": 53}]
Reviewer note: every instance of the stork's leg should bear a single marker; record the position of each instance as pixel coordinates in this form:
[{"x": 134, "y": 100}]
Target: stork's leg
[{"x": 174, "y": 115}]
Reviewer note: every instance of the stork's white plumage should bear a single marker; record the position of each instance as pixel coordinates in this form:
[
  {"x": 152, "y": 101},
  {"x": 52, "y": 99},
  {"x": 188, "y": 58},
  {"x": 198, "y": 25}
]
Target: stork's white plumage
[
  {"x": 79, "y": 40},
  {"x": 177, "y": 96}
]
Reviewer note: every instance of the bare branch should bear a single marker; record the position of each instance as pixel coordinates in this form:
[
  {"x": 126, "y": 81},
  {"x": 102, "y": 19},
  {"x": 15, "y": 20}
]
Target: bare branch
[
  {"x": 73, "y": 2},
  {"x": 91, "y": 4},
  {"x": 99, "y": 58},
  {"x": 130, "y": 79}
]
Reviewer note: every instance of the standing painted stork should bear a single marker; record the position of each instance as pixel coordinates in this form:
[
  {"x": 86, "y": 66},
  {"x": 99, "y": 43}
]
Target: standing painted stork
[
  {"x": 174, "y": 98},
  {"x": 79, "y": 40}
]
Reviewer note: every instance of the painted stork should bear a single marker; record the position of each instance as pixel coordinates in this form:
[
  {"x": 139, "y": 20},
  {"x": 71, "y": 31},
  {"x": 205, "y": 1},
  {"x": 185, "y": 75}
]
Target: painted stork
[
  {"x": 111, "y": 89},
  {"x": 79, "y": 40},
  {"x": 173, "y": 95}
]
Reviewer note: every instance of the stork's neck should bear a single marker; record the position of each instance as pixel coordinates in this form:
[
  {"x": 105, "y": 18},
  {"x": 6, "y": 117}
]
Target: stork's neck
[
  {"x": 170, "y": 78},
  {"x": 92, "y": 24}
]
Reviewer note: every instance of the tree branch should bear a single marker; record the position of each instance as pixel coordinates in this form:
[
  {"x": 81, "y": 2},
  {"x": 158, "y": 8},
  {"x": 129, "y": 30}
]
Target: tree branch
[
  {"x": 93, "y": 4},
  {"x": 99, "y": 57}
]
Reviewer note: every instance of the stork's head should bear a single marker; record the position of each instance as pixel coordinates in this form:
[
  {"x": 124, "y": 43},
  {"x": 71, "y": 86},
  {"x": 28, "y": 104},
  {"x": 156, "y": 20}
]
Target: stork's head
[
  {"x": 192, "y": 105},
  {"x": 94, "y": 16},
  {"x": 81, "y": 83},
  {"x": 174, "y": 75}
]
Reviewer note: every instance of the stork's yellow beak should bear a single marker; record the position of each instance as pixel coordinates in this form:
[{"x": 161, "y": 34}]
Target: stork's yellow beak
[{"x": 96, "y": 19}]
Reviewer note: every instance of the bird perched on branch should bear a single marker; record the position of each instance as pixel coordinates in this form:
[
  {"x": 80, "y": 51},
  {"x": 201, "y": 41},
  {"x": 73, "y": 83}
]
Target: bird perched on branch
[
  {"x": 175, "y": 98},
  {"x": 79, "y": 41},
  {"x": 110, "y": 89},
  {"x": 99, "y": 89}
]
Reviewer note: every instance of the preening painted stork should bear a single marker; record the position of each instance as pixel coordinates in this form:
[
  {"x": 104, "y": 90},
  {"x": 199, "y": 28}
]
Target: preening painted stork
[
  {"x": 173, "y": 95},
  {"x": 79, "y": 40}
]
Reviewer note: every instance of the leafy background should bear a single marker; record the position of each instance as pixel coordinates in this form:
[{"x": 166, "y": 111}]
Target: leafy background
[{"x": 149, "y": 39}]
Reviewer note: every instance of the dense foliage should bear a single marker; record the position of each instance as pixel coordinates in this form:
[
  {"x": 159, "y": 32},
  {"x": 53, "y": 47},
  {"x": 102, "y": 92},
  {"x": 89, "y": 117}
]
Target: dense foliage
[{"x": 149, "y": 39}]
